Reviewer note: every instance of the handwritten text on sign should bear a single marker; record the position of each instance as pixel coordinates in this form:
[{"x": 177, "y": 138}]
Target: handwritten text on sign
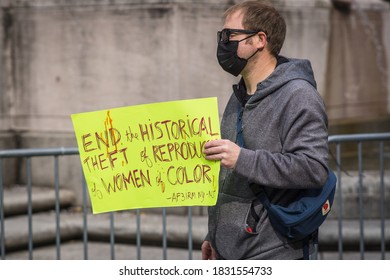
[{"x": 149, "y": 155}]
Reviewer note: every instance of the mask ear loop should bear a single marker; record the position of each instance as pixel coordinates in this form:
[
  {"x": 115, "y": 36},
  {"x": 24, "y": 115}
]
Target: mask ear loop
[
  {"x": 259, "y": 49},
  {"x": 253, "y": 54}
]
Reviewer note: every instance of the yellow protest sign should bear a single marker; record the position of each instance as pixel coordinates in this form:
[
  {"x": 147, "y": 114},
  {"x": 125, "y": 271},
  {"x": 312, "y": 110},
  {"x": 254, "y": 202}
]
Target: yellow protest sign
[{"x": 149, "y": 155}]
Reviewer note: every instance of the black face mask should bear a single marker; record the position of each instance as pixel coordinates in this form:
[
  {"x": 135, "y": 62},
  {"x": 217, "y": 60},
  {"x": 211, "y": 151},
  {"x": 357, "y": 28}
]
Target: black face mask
[{"x": 228, "y": 58}]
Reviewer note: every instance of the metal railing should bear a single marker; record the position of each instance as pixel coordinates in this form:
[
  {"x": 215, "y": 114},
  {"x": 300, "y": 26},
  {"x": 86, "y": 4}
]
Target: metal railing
[
  {"x": 28, "y": 154},
  {"x": 336, "y": 140},
  {"x": 377, "y": 152}
]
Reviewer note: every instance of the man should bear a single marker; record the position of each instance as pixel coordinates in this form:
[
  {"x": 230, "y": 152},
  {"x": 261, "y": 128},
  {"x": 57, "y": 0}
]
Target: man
[{"x": 274, "y": 136}]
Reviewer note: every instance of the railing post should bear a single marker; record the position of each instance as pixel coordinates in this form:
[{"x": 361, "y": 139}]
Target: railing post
[
  {"x": 164, "y": 233},
  {"x": 340, "y": 200},
  {"x": 57, "y": 207},
  {"x": 85, "y": 221},
  {"x": 2, "y": 229},
  {"x": 29, "y": 208},
  {"x": 189, "y": 233},
  {"x": 138, "y": 234},
  {"x": 361, "y": 204},
  {"x": 112, "y": 236},
  {"x": 382, "y": 191}
]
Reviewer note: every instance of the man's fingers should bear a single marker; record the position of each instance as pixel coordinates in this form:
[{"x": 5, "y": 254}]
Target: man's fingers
[
  {"x": 214, "y": 143},
  {"x": 206, "y": 250},
  {"x": 223, "y": 150},
  {"x": 213, "y": 151},
  {"x": 214, "y": 147}
]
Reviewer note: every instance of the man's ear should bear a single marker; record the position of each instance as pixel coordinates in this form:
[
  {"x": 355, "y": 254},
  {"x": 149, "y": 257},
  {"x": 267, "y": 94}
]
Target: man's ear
[{"x": 262, "y": 40}]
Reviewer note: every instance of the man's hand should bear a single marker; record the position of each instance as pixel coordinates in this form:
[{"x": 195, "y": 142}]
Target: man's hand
[
  {"x": 224, "y": 150},
  {"x": 208, "y": 253}
]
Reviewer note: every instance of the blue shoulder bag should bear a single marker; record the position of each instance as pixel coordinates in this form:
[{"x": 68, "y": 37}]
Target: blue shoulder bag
[{"x": 302, "y": 217}]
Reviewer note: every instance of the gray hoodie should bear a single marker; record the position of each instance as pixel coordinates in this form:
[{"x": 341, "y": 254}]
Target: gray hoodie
[{"x": 284, "y": 128}]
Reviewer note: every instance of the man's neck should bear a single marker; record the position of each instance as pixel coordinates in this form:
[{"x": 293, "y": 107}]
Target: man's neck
[{"x": 258, "y": 72}]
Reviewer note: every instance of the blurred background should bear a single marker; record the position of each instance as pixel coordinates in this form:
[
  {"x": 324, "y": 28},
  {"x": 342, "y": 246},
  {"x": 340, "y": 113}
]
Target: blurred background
[{"x": 60, "y": 57}]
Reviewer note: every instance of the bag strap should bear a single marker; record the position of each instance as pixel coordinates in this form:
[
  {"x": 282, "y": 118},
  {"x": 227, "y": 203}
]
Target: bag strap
[
  {"x": 239, "y": 137},
  {"x": 240, "y": 142},
  {"x": 305, "y": 248},
  {"x": 263, "y": 199},
  {"x": 306, "y": 245}
]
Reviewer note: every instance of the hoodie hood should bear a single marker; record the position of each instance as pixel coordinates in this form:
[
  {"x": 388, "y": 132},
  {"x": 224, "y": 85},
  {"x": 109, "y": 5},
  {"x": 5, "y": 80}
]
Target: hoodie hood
[{"x": 286, "y": 70}]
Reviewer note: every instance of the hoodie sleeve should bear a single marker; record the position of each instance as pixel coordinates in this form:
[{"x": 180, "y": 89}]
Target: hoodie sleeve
[{"x": 303, "y": 159}]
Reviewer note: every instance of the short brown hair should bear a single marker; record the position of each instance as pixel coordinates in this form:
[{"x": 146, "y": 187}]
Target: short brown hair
[{"x": 261, "y": 15}]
